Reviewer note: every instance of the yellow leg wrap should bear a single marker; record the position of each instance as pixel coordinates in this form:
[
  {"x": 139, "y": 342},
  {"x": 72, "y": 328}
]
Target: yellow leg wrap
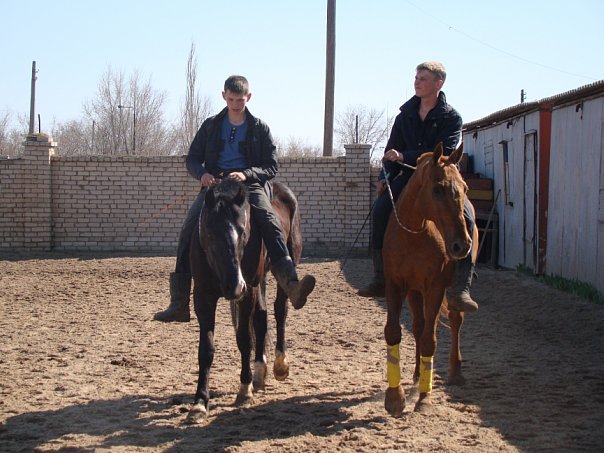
[
  {"x": 393, "y": 369},
  {"x": 425, "y": 374}
]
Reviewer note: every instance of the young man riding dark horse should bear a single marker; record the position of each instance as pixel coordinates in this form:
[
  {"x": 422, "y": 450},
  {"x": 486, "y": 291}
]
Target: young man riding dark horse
[
  {"x": 234, "y": 144},
  {"x": 424, "y": 121}
]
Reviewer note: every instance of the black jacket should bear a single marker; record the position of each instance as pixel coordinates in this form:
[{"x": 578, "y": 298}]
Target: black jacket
[
  {"x": 413, "y": 137},
  {"x": 258, "y": 148}
]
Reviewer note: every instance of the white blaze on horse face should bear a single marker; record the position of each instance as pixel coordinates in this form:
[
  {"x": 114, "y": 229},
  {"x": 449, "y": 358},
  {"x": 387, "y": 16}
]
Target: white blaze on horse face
[
  {"x": 244, "y": 220},
  {"x": 458, "y": 190},
  {"x": 233, "y": 234},
  {"x": 240, "y": 289}
]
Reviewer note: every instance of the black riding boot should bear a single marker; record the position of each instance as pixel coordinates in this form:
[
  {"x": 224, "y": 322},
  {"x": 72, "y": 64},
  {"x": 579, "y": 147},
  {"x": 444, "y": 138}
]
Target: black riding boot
[
  {"x": 297, "y": 290},
  {"x": 376, "y": 287},
  {"x": 458, "y": 294},
  {"x": 180, "y": 292}
]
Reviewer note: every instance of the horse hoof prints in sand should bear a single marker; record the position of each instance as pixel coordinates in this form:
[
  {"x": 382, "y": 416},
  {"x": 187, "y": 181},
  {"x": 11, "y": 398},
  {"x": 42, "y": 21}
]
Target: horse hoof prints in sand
[
  {"x": 228, "y": 260},
  {"x": 425, "y": 236}
]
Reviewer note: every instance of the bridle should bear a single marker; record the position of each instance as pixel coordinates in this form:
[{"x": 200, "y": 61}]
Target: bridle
[{"x": 408, "y": 230}]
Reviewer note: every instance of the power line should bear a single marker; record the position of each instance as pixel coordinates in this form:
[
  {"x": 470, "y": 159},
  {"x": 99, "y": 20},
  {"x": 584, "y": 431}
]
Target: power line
[{"x": 509, "y": 54}]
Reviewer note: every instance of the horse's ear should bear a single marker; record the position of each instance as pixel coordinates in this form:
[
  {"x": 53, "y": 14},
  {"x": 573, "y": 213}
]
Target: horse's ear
[
  {"x": 455, "y": 156},
  {"x": 437, "y": 153},
  {"x": 240, "y": 197},
  {"x": 210, "y": 200}
]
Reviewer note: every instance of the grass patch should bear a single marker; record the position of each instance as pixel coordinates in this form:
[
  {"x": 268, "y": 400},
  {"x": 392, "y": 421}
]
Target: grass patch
[{"x": 581, "y": 289}]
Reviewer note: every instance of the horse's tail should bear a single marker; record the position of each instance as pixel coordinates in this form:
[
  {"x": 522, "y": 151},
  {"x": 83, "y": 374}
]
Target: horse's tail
[
  {"x": 294, "y": 238},
  {"x": 443, "y": 314}
]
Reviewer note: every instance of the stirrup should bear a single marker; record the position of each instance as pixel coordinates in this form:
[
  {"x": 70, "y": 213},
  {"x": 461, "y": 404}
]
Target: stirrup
[
  {"x": 374, "y": 289},
  {"x": 461, "y": 302}
]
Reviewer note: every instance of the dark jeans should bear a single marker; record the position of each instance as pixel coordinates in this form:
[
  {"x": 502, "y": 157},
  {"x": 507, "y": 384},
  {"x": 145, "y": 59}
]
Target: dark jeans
[
  {"x": 383, "y": 208},
  {"x": 263, "y": 217}
]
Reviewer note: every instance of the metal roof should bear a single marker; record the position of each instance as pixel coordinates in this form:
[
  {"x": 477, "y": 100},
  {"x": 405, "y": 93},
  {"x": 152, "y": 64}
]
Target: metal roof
[{"x": 581, "y": 93}]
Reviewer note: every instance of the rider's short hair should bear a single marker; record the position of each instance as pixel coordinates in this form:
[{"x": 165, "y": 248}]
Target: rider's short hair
[
  {"x": 237, "y": 84},
  {"x": 435, "y": 68}
]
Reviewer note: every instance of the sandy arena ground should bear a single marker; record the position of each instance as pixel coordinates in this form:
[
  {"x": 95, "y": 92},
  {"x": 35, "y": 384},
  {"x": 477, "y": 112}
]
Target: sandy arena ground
[{"x": 83, "y": 367}]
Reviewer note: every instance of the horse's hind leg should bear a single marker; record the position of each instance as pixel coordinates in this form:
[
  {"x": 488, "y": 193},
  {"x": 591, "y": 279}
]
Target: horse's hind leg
[
  {"x": 455, "y": 377},
  {"x": 244, "y": 343},
  {"x": 280, "y": 366},
  {"x": 260, "y": 330},
  {"x": 427, "y": 348}
]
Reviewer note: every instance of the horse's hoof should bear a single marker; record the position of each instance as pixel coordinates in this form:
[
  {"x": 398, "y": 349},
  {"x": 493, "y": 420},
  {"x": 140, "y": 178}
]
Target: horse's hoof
[
  {"x": 197, "y": 414},
  {"x": 456, "y": 379},
  {"x": 281, "y": 366},
  {"x": 259, "y": 380},
  {"x": 424, "y": 404},
  {"x": 395, "y": 401},
  {"x": 245, "y": 395},
  {"x": 244, "y": 400}
]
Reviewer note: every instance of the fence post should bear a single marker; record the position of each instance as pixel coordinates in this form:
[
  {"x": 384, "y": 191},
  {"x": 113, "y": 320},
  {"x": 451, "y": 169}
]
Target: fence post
[{"x": 37, "y": 192}]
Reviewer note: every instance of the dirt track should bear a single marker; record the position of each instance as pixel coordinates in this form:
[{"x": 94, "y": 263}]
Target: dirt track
[{"x": 83, "y": 367}]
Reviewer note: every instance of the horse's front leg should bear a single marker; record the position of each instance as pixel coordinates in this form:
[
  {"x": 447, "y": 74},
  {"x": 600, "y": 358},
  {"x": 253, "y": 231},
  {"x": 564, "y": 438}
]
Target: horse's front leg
[
  {"x": 395, "y": 395},
  {"x": 416, "y": 305},
  {"x": 281, "y": 365},
  {"x": 260, "y": 329},
  {"x": 205, "y": 309},
  {"x": 427, "y": 347},
  {"x": 244, "y": 343},
  {"x": 455, "y": 376}
]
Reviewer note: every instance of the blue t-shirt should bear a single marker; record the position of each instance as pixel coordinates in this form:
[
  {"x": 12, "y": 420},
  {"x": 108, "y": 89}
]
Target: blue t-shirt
[{"x": 231, "y": 157}]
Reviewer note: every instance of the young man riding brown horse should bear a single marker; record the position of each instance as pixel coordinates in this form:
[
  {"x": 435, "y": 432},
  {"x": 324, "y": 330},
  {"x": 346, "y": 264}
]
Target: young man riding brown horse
[
  {"x": 424, "y": 121},
  {"x": 236, "y": 145}
]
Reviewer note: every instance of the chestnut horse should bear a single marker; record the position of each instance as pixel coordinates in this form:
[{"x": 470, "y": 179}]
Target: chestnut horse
[
  {"x": 426, "y": 234},
  {"x": 228, "y": 260}
]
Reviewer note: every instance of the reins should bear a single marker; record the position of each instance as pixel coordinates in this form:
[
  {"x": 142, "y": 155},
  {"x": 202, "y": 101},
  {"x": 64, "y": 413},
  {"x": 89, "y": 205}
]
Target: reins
[
  {"x": 371, "y": 210},
  {"x": 408, "y": 230}
]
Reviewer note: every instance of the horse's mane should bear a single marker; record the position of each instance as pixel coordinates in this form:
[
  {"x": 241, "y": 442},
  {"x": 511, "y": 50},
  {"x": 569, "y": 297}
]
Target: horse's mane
[
  {"x": 227, "y": 190},
  {"x": 424, "y": 157}
]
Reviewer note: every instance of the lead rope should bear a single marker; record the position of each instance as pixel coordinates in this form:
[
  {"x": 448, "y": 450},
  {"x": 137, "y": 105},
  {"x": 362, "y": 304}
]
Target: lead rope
[{"x": 408, "y": 230}]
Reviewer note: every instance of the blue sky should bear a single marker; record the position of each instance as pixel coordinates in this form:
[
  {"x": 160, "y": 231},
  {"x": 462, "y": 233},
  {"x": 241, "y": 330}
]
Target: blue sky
[{"x": 491, "y": 49}]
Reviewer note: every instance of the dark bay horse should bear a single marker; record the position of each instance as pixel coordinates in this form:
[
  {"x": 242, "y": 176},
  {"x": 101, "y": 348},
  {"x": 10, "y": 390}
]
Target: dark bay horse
[
  {"x": 426, "y": 234},
  {"x": 228, "y": 260}
]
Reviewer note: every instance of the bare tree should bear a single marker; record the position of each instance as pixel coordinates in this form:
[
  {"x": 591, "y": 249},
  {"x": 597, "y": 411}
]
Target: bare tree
[
  {"x": 4, "y": 124},
  {"x": 194, "y": 111},
  {"x": 152, "y": 137},
  {"x": 116, "y": 131},
  {"x": 11, "y": 138},
  {"x": 75, "y": 138},
  {"x": 111, "y": 132},
  {"x": 358, "y": 124},
  {"x": 297, "y": 147}
]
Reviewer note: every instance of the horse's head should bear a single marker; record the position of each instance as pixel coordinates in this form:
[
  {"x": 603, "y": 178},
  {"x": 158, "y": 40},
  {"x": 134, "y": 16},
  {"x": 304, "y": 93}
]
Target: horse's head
[
  {"x": 224, "y": 229},
  {"x": 442, "y": 196}
]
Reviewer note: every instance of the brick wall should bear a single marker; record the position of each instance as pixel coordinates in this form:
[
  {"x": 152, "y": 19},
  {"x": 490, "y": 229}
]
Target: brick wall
[{"x": 137, "y": 204}]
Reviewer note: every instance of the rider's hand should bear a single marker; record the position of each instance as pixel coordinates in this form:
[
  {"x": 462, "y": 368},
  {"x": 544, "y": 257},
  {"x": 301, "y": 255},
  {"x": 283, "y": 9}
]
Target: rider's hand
[
  {"x": 380, "y": 186},
  {"x": 394, "y": 156},
  {"x": 237, "y": 176},
  {"x": 208, "y": 180}
]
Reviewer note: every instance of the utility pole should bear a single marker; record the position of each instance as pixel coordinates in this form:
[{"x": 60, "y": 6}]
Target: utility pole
[
  {"x": 330, "y": 71},
  {"x": 32, "y": 105}
]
